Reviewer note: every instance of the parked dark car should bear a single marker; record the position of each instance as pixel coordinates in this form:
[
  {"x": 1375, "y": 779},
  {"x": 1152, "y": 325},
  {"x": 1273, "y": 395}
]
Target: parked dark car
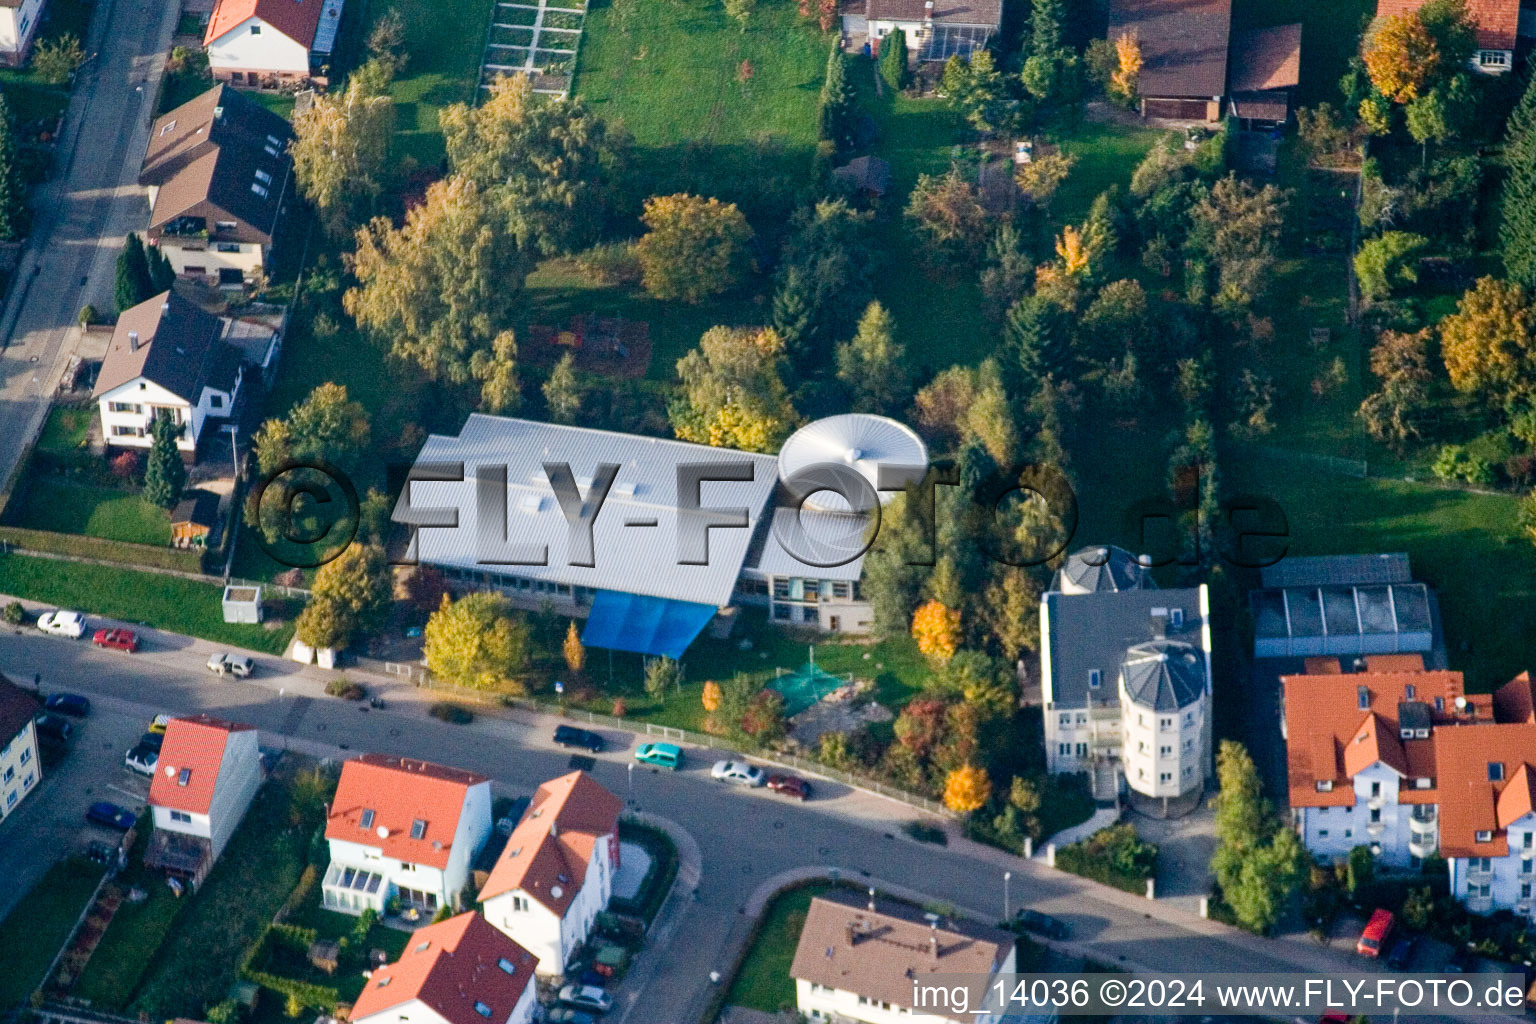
[
  {"x": 570, "y": 736},
  {"x": 1044, "y": 924},
  {"x": 112, "y": 816},
  {"x": 53, "y": 727},
  {"x": 71, "y": 704},
  {"x": 153, "y": 740},
  {"x": 790, "y": 785},
  {"x": 1401, "y": 953}
]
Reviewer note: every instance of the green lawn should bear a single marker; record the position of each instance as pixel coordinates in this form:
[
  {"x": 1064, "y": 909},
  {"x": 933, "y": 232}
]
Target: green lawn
[
  {"x": 763, "y": 982},
  {"x": 444, "y": 41},
  {"x": 132, "y": 939},
  {"x": 1107, "y": 154},
  {"x": 672, "y": 72},
  {"x": 195, "y": 966},
  {"x": 328, "y": 924},
  {"x": 52, "y": 504},
  {"x": 1466, "y": 546},
  {"x": 166, "y": 602},
  {"x": 33, "y": 933},
  {"x": 280, "y": 103},
  {"x": 66, "y": 428}
]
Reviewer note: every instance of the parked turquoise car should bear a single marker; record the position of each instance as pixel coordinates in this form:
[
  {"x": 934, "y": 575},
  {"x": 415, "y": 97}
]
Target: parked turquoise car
[{"x": 660, "y": 755}]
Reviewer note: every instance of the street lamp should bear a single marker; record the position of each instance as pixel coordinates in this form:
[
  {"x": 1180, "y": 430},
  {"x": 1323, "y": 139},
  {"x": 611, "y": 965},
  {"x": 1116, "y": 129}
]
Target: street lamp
[
  {"x": 631, "y": 775},
  {"x": 1007, "y": 877}
]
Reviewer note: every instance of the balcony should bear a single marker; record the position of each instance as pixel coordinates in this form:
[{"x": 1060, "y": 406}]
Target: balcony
[
  {"x": 1376, "y": 802},
  {"x": 1423, "y": 844},
  {"x": 1376, "y": 828},
  {"x": 1425, "y": 813}
]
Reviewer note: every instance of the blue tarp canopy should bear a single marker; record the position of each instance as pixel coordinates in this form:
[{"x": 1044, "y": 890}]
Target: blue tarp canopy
[{"x": 645, "y": 625}]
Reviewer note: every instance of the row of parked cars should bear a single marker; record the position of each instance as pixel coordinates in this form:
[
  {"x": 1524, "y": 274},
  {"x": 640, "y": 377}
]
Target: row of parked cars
[
  {"x": 72, "y": 625},
  {"x": 670, "y": 756}
]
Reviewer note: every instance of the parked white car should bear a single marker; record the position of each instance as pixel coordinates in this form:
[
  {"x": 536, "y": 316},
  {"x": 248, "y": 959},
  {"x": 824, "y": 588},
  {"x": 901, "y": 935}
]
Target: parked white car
[
  {"x": 62, "y": 623},
  {"x": 586, "y": 997},
  {"x": 226, "y": 664},
  {"x": 738, "y": 772}
]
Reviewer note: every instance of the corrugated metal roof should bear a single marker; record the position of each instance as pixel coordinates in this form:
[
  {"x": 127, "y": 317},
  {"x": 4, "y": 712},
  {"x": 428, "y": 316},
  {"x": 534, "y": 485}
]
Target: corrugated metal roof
[
  {"x": 628, "y": 557},
  {"x": 822, "y": 536}
]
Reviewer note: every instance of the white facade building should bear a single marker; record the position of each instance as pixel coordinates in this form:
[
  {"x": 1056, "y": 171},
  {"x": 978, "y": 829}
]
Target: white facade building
[
  {"x": 272, "y": 43},
  {"x": 19, "y": 20},
  {"x": 406, "y": 830},
  {"x": 208, "y": 772},
  {"x": 555, "y": 874},
  {"x": 21, "y": 769}
]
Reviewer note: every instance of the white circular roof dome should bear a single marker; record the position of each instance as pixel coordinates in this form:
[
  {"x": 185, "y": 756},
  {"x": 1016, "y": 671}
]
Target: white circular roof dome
[{"x": 862, "y": 441}]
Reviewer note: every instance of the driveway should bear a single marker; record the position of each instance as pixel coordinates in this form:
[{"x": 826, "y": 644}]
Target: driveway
[
  {"x": 744, "y": 836},
  {"x": 83, "y": 214}
]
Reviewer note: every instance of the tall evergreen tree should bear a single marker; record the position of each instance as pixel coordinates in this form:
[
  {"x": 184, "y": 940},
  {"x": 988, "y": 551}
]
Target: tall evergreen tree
[
  {"x": 1039, "y": 339},
  {"x": 894, "y": 60},
  {"x": 161, "y": 274},
  {"x": 164, "y": 475},
  {"x": 836, "y": 101},
  {"x": 13, "y": 188},
  {"x": 1517, "y": 232},
  {"x": 133, "y": 283},
  {"x": 1045, "y": 27}
]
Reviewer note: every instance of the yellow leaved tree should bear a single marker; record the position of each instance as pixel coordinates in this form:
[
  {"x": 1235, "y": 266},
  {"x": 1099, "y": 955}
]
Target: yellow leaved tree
[
  {"x": 937, "y": 631},
  {"x": 966, "y": 789}
]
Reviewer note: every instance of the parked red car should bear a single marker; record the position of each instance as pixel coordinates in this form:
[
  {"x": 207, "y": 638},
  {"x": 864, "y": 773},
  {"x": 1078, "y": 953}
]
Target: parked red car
[
  {"x": 120, "y": 639},
  {"x": 1375, "y": 935},
  {"x": 789, "y": 785}
]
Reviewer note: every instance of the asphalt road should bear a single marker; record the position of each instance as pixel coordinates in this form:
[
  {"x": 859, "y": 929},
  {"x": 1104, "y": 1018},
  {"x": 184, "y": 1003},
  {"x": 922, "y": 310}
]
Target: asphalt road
[
  {"x": 744, "y": 837},
  {"x": 82, "y": 215}
]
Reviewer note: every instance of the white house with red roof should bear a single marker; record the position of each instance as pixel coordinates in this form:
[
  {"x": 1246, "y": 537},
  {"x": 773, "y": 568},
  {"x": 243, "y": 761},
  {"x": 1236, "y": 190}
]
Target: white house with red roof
[
  {"x": 458, "y": 971},
  {"x": 556, "y": 873},
  {"x": 271, "y": 43},
  {"x": 208, "y": 772},
  {"x": 405, "y": 829}
]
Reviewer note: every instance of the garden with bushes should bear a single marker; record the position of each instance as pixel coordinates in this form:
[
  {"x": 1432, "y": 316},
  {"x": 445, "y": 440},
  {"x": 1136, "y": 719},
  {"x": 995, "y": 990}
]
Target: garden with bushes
[{"x": 1115, "y": 856}]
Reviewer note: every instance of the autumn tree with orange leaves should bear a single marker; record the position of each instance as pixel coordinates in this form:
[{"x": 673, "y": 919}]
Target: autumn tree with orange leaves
[{"x": 937, "y": 631}]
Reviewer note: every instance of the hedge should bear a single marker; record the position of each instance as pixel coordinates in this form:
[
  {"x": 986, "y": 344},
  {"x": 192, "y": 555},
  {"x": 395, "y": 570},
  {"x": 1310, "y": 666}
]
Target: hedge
[
  {"x": 1114, "y": 856},
  {"x": 116, "y": 551},
  {"x": 320, "y": 997}
]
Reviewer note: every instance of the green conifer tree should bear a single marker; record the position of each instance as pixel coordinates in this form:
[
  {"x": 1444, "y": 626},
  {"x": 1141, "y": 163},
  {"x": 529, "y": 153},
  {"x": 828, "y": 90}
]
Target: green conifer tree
[
  {"x": 1517, "y": 232},
  {"x": 13, "y": 187},
  {"x": 133, "y": 283}
]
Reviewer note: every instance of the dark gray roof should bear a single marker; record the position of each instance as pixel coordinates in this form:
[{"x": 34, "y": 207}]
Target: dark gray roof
[
  {"x": 1338, "y": 570},
  {"x": 944, "y": 12},
  {"x": 1413, "y": 715},
  {"x": 1091, "y": 632},
  {"x": 17, "y": 706},
  {"x": 1340, "y": 611},
  {"x": 1164, "y": 675},
  {"x": 200, "y": 508},
  {"x": 1102, "y": 568}
]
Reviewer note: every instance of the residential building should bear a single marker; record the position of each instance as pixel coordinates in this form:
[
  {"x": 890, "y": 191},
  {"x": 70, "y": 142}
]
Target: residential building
[
  {"x": 21, "y": 769},
  {"x": 167, "y": 358},
  {"x": 272, "y": 44},
  {"x": 19, "y": 20},
  {"x": 1191, "y": 62},
  {"x": 1400, "y": 760},
  {"x": 640, "y": 583},
  {"x": 208, "y": 773},
  {"x": 220, "y": 180},
  {"x": 860, "y": 960},
  {"x": 1498, "y": 25},
  {"x": 935, "y": 29},
  {"x": 1126, "y": 677},
  {"x": 556, "y": 872},
  {"x": 406, "y": 830},
  {"x": 458, "y": 971}
]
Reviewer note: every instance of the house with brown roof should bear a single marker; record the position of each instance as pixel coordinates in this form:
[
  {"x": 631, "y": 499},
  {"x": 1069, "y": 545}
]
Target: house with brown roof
[
  {"x": 1498, "y": 25},
  {"x": 220, "y": 180},
  {"x": 406, "y": 830},
  {"x": 1402, "y": 761},
  {"x": 270, "y": 44},
  {"x": 1266, "y": 66},
  {"x": 21, "y": 769},
  {"x": 861, "y": 959},
  {"x": 167, "y": 358},
  {"x": 935, "y": 29},
  {"x": 458, "y": 971},
  {"x": 207, "y": 774},
  {"x": 555, "y": 874}
]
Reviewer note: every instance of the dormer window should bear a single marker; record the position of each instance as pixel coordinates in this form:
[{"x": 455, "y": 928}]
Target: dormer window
[
  {"x": 184, "y": 776},
  {"x": 168, "y": 127},
  {"x": 1176, "y": 617},
  {"x": 1483, "y": 836},
  {"x": 506, "y": 965},
  {"x": 1325, "y": 785},
  {"x": 418, "y": 828},
  {"x": 1421, "y": 734},
  {"x": 482, "y": 1009},
  {"x": 1409, "y": 691},
  {"x": 1495, "y": 771},
  {"x": 1439, "y": 703},
  {"x": 1095, "y": 678},
  {"x": 366, "y": 821},
  {"x": 1362, "y": 697},
  {"x": 1422, "y": 783}
]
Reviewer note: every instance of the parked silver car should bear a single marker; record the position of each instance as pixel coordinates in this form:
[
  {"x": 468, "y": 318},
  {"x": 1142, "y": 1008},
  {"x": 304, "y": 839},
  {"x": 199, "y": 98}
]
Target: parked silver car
[{"x": 226, "y": 664}]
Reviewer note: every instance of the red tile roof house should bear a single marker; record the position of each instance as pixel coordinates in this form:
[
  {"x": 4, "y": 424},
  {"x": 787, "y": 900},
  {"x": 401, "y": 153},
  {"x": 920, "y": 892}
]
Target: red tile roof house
[
  {"x": 403, "y": 829},
  {"x": 272, "y": 43},
  {"x": 556, "y": 872},
  {"x": 208, "y": 772},
  {"x": 1401, "y": 761},
  {"x": 458, "y": 971},
  {"x": 1497, "y": 21}
]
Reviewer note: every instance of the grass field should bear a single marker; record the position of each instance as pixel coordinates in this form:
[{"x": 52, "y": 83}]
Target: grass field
[
  {"x": 35, "y": 930},
  {"x": 444, "y": 41},
  {"x": 52, "y": 504},
  {"x": 1107, "y": 154},
  {"x": 763, "y": 983},
  {"x": 672, "y": 72},
  {"x": 66, "y": 428},
  {"x": 199, "y": 960},
  {"x": 131, "y": 940},
  {"x": 166, "y": 602}
]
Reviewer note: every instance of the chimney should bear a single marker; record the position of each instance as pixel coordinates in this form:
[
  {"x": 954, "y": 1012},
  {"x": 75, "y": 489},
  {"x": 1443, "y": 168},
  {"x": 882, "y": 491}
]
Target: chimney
[
  {"x": 218, "y": 112},
  {"x": 871, "y": 899},
  {"x": 133, "y": 341},
  {"x": 933, "y": 942},
  {"x": 165, "y": 307},
  {"x": 850, "y": 933}
]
